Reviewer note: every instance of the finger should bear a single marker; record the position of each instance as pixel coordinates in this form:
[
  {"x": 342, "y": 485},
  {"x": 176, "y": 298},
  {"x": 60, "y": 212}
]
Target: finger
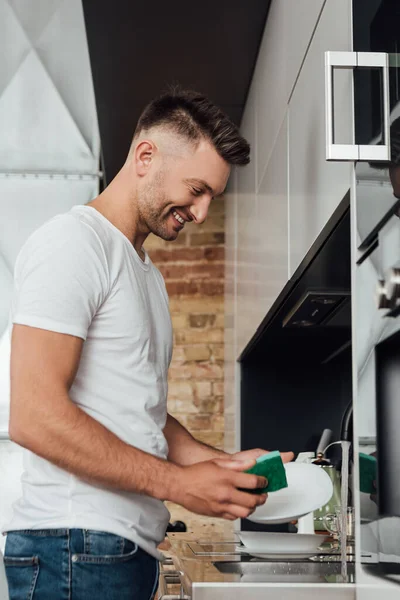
[
  {"x": 250, "y": 481},
  {"x": 234, "y": 465},
  {"x": 253, "y": 453},
  {"x": 228, "y": 516},
  {"x": 287, "y": 456},
  {"x": 239, "y": 512},
  {"x": 248, "y": 500}
]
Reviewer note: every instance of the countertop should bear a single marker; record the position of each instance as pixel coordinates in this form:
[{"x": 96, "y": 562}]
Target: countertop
[{"x": 199, "y": 572}]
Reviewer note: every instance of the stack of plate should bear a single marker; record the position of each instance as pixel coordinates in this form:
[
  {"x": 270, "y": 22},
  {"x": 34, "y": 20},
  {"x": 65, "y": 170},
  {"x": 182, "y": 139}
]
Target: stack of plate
[{"x": 280, "y": 545}]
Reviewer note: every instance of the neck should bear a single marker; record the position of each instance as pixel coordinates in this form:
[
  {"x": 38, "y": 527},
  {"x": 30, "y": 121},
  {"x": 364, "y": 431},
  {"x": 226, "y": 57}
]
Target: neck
[{"x": 121, "y": 210}]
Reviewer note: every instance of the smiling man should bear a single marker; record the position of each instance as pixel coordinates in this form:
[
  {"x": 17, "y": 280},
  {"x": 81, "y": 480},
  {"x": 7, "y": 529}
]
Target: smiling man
[{"x": 91, "y": 347}]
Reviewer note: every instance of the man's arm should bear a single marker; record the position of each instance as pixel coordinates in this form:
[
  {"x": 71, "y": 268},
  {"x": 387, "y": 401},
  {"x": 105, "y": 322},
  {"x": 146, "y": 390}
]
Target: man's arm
[
  {"x": 44, "y": 419},
  {"x": 184, "y": 449}
]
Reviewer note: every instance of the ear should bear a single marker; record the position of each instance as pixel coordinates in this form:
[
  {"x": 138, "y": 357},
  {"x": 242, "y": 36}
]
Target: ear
[{"x": 144, "y": 156}]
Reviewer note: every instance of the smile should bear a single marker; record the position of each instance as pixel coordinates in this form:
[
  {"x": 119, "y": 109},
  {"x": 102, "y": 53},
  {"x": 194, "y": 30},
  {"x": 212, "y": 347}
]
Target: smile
[{"x": 178, "y": 217}]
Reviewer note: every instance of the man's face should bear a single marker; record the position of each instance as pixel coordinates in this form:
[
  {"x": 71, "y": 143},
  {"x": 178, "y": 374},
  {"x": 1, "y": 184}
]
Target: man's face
[{"x": 180, "y": 190}]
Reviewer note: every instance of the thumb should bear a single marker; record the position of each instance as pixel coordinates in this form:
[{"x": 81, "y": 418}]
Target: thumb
[
  {"x": 287, "y": 456},
  {"x": 235, "y": 465}
]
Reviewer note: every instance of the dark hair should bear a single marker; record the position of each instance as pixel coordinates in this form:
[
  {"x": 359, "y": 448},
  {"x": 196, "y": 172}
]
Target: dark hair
[{"x": 193, "y": 116}]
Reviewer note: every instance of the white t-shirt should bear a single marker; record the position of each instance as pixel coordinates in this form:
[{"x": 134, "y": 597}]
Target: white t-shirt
[{"x": 80, "y": 275}]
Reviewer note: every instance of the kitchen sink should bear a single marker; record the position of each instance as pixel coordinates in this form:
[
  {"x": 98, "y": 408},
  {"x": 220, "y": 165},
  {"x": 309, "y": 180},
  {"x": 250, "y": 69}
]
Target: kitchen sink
[{"x": 280, "y": 572}]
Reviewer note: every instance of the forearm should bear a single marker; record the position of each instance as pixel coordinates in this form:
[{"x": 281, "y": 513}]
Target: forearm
[
  {"x": 184, "y": 449},
  {"x": 68, "y": 437}
]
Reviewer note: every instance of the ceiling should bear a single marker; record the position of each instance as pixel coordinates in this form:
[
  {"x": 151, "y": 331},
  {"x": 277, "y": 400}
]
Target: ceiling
[{"x": 137, "y": 49}]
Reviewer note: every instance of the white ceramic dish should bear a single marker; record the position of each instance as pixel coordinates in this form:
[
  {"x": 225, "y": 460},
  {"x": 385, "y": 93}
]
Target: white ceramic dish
[
  {"x": 280, "y": 543},
  {"x": 309, "y": 488},
  {"x": 279, "y": 555}
]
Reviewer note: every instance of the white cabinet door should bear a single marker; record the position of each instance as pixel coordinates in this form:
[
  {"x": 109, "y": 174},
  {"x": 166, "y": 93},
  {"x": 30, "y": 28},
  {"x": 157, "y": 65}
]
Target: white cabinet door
[
  {"x": 245, "y": 215},
  {"x": 272, "y": 223},
  {"x": 262, "y": 255},
  {"x": 289, "y": 28},
  {"x": 300, "y": 21},
  {"x": 316, "y": 186}
]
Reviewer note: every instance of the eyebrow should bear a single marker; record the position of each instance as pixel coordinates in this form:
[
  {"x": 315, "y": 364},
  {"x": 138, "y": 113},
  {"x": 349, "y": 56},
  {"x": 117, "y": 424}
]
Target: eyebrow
[{"x": 203, "y": 183}]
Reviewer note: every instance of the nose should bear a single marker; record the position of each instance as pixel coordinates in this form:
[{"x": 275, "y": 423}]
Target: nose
[{"x": 199, "y": 208}]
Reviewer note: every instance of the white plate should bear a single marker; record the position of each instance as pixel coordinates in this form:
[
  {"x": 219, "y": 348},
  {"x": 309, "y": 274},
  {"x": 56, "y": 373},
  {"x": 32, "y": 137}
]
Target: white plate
[
  {"x": 309, "y": 488},
  {"x": 279, "y": 556},
  {"x": 277, "y": 543}
]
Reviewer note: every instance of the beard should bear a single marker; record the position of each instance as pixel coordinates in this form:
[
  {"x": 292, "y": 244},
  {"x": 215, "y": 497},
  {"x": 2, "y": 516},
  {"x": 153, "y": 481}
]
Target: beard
[{"x": 153, "y": 211}]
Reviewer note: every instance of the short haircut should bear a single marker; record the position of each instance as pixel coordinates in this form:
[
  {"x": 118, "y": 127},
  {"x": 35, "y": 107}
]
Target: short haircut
[{"x": 193, "y": 116}]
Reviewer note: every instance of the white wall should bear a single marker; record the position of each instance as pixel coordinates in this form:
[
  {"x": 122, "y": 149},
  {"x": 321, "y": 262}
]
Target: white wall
[{"x": 49, "y": 153}]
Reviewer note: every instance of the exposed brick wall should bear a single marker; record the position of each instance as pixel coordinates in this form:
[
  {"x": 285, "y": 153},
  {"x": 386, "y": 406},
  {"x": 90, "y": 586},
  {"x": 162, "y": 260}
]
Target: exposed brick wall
[{"x": 193, "y": 268}]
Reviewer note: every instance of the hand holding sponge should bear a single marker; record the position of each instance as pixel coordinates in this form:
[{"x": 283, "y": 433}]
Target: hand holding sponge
[{"x": 271, "y": 467}]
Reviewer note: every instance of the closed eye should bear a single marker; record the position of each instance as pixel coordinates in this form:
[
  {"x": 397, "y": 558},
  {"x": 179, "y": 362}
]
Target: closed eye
[{"x": 197, "y": 192}]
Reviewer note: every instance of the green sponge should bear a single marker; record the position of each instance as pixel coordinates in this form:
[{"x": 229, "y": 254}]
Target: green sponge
[
  {"x": 270, "y": 466},
  {"x": 367, "y": 465}
]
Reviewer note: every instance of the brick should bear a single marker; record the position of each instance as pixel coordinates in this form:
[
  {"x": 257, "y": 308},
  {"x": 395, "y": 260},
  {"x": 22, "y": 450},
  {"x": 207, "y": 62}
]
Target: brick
[
  {"x": 207, "y": 405},
  {"x": 179, "y": 321},
  {"x": 217, "y": 422},
  {"x": 187, "y": 271},
  {"x": 214, "y": 253},
  {"x": 173, "y": 254},
  {"x": 219, "y": 321},
  {"x": 179, "y": 288},
  {"x": 188, "y": 304},
  {"x": 178, "y": 355},
  {"x": 184, "y": 407},
  {"x": 217, "y": 352},
  {"x": 218, "y": 388},
  {"x": 211, "y": 288},
  {"x": 191, "y": 287},
  {"x": 212, "y": 438},
  {"x": 202, "y": 389},
  {"x": 206, "y": 370},
  {"x": 195, "y": 371},
  {"x": 217, "y": 207},
  {"x": 179, "y": 254},
  {"x": 154, "y": 242},
  {"x": 204, "y": 320},
  {"x": 216, "y": 223},
  {"x": 179, "y": 389},
  {"x": 207, "y": 239},
  {"x": 198, "y": 336},
  {"x": 196, "y": 353},
  {"x": 199, "y": 422}
]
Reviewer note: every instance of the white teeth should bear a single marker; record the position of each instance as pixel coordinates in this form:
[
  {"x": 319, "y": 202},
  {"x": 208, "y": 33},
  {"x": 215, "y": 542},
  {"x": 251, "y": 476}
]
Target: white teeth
[{"x": 178, "y": 217}]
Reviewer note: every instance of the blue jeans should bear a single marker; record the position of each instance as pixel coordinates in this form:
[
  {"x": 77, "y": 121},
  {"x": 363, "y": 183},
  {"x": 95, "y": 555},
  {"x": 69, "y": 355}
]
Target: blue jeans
[{"x": 77, "y": 564}]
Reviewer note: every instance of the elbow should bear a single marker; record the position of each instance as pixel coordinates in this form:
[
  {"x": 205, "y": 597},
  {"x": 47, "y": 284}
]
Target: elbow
[
  {"x": 19, "y": 434},
  {"x": 14, "y": 433}
]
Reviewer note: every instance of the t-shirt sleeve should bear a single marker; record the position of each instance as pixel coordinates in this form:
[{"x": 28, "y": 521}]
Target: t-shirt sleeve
[{"x": 61, "y": 278}]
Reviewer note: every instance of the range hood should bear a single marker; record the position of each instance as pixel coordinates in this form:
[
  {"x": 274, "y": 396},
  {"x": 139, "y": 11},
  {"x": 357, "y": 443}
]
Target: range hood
[{"x": 311, "y": 318}]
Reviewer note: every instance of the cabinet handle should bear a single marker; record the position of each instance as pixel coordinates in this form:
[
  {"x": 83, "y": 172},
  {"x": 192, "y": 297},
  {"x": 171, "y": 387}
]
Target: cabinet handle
[{"x": 360, "y": 152}]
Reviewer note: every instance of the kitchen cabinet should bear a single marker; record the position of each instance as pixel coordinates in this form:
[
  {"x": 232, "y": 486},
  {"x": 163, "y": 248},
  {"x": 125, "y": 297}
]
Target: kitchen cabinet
[
  {"x": 287, "y": 34},
  {"x": 316, "y": 186},
  {"x": 246, "y": 212},
  {"x": 262, "y": 253},
  {"x": 272, "y": 229}
]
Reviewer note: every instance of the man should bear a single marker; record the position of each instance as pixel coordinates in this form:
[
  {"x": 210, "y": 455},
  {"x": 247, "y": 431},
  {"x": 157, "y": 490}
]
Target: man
[{"x": 91, "y": 346}]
